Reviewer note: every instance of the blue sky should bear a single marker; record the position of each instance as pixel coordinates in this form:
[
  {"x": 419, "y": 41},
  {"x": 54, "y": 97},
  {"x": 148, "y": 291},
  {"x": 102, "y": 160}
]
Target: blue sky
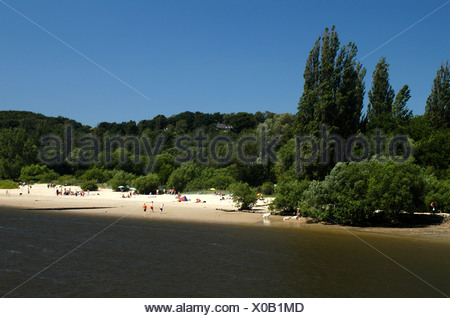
[{"x": 201, "y": 55}]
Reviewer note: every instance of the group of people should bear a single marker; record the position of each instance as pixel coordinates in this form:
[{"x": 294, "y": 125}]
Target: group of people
[
  {"x": 61, "y": 191},
  {"x": 164, "y": 191},
  {"x": 161, "y": 207}
]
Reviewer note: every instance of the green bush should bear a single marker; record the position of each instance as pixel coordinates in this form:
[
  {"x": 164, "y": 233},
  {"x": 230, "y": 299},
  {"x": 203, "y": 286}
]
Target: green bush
[
  {"x": 48, "y": 177},
  {"x": 38, "y": 172},
  {"x": 8, "y": 184},
  {"x": 394, "y": 188},
  {"x": 121, "y": 178},
  {"x": 243, "y": 195},
  {"x": 352, "y": 192},
  {"x": 90, "y": 185},
  {"x": 289, "y": 195},
  {"x": 438, "y": 192},
  {"x": 67, "y": 180},
  {"x": 146, "y": 184},
  {"x": 180, "y": 177},
  {"x": 96, "y": 174},
  {"x": 267, "y": 188},
  {"x": 211, "y": 178}
]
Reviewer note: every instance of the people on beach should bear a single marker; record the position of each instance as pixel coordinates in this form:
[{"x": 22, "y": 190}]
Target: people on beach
[
  {"x": 161, "y": 207},
  {"x": 145, "y": 207},
  {"x": 151, "y": 207},
  {"x": 299, "y": 214},
  {"x": 433, "y": 209}
]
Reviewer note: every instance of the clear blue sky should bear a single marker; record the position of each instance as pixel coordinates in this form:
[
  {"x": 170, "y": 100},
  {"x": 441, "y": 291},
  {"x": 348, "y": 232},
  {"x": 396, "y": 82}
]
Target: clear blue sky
[{"x": 203, "y": 55}]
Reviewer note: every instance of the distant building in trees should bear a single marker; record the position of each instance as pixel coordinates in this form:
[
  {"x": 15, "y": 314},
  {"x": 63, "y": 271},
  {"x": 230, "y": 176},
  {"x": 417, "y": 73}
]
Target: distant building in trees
[{"x": 223, "y": 127}]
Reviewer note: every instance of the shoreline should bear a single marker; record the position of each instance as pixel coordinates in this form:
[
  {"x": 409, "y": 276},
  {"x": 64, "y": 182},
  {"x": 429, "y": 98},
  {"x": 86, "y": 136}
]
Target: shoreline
[{"x": 105, "y": 202}]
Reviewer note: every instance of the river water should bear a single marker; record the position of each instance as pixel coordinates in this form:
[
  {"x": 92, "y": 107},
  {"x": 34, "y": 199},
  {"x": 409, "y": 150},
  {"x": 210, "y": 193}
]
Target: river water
[{"x": 147, "y": 258}]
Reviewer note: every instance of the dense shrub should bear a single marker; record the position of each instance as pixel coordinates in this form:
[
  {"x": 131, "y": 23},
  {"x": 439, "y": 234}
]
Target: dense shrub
[
  {"x": 38, "y": 172},
  {"x": 121, "y": 178},
  {"x": 67, "y": 180},
  {"x": 180, "y": 177},
  {"x": 289, "y": 194},
  {"x": 243, "y": 195},
  {"x": 96, "y": 174},
  {"x": 394, "y": 188},
  {"x": 211, "y": 178},
  {"x": 438, "y": 192},
  {"x": 89, "y": 185},
  {"x": 8, "y": 184},
  {"x": 267, "y": 188},
  {"x": 146, "y": 184},
  {"x": 353, "y": 192}
]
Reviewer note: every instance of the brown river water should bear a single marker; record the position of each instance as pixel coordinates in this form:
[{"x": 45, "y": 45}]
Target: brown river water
[{"x": 147, "y": 258}]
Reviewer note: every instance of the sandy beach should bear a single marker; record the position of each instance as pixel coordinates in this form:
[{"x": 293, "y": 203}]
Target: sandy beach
[{"x": 211, "y": 209}]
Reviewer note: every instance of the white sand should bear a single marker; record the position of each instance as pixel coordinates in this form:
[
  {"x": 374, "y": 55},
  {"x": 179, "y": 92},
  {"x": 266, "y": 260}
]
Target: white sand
[{"x": 211, "y": 208}]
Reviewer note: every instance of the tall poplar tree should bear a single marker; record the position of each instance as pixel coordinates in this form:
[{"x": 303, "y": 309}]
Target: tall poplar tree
[
  {"x": 437, "y": 109},
  {"x": 333, "y": 91},
  {"x": 350, "y": 89},
  {"x": 400, "y": 112},
  {"x": 310, "y": 96},
  {"x": 381, "y": 97}
]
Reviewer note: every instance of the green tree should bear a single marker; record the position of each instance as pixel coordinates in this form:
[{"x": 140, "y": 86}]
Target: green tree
[
  {"x": 183, "y": 175},
  {"x": 350, "y": 89},
  {"x": 219, "y": 179},
  {"x": 164, "y": 166},
  {"x": 243, "y": 195},
  {"x": 437, "y": 109},
  {"x": 38, "y": 172},
  {"x": 17, "y": 150},
  {"x": 242, "y": 121},
  {"x": 352, "y": 192},
  {"x": 289, "y": 195},
  {"x": 146, "y": 184},
  {"x": 400, "y": 112},
  {"x": 433, "y": 149},
  {"x": 333, "y": 91},
  {"x": 89, "y": 185},
  {"x": 381, "y": 97},
  {"x": 8, "y": 184},
  {"x": 96, "y": 174},
  {"x": 393, "y": 188},
  {"x": 121, "y": 178},
  {"x": 307, "y": 120},
  {"x": 438, "y": 192}
]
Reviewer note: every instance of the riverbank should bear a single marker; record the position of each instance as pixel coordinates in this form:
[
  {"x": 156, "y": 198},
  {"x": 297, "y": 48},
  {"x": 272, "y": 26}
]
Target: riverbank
[{"x": 202, "y": 208}]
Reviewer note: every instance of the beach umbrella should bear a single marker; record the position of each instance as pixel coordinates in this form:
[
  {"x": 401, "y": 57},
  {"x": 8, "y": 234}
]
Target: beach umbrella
[
  {"x": 212, "y": 189},
  {"x": 259, "y": 194},
  {"x": 133, "y": 189},
  {"x": 120, "y": 187}
]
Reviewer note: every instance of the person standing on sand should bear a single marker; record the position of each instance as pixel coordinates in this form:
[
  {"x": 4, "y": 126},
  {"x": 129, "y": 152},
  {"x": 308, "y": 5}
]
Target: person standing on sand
[
  {"x": 161, "y": 207},
  {"x": 432, "y": 207},
  {"x": 299, "y": 214},
  {"x": 151, "y": 207},
  {"x": 145, "y": 207}
]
